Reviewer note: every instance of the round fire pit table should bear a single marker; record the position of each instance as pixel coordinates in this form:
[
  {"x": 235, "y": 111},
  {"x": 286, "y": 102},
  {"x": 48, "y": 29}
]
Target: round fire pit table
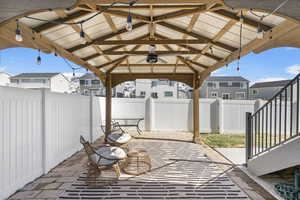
[{"x": 138, "y": 162}]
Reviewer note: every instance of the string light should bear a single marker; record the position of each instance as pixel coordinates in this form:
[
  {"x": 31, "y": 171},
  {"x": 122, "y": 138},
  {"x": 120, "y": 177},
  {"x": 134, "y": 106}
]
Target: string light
[
  {"x": 129, "y": 20},
  {"x": 82, "y": 35},
  {"x": 240, "y": 49},
  {"x": 226, "y": 65},
  {"x": 19, "y": 37},
  {"x": 211, "y": 50},
  {"x": 39, "y": 59}
]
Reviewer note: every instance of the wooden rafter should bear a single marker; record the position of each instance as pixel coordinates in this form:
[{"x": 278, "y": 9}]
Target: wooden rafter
[
  {"x": 68, "y": 18},
  {"x": 124, "y": 14},
  {"x": 62, "y": 14},
  {"x": 105, "y": 37},
  {"x": 105, "y": 2},
  {"x": 152, "y": 25},
  {"x": 179, "y": 13},
  {"x": 247, "y": 21},
  {"x": 154, "y": 6},
  {"x": 151, "y": 41},
  {"x": 195, "y": 35},
  {"x": 147, "y": 52},
  {"x": 154, "y": 65},
  {"x": 38, "y": 39},
  {"x": 111, "y": 62},
  {"x": 224, "y": 30}
]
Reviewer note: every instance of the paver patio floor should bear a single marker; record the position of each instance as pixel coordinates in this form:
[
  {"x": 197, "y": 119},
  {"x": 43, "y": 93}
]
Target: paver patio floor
[{"x": 180, "y": 170}]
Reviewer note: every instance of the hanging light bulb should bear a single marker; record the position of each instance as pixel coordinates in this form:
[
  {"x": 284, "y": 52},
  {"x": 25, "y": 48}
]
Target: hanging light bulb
[
  {"x": 226, "y": 65},
  {"x": 129, "y": 23},
  {"x": 82, "y": 34},
  {"x": 260, "y": 32},
  {"x": 73, "y": 72},
  {"x": 39, "y": 59},
  {"x": 19, "y": 37}
]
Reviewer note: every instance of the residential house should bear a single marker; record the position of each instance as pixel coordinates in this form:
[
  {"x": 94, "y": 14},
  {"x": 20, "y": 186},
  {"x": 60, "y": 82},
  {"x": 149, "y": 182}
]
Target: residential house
[
  {"x": 90, "y": 84},
  {"x": 266, "y": 90},
  {"x": 55, "y": 82},
  {"x": 4, "y": 79},
  {"x": 226, "y": 87}
]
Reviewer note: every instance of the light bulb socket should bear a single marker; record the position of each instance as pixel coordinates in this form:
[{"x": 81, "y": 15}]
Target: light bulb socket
[
  {"x": 129, "y": 18},
  {"x": 39, "y": 60}
]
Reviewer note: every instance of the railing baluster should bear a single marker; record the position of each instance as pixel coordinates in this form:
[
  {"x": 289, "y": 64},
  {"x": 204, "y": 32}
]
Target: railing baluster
[
  {"x": 267, "y": 123},
  {"x": 255, "y": 134},
  {"x": 291, "y": 114},
  {"x": 285, "y": 115},
  {"x": 297, "y": 122},
  {"x": 262, "y": 129},
  {"x": 275, "y": 120},
  {"x": 280, "y": 102},
  {"x": 271, "y": 111}
]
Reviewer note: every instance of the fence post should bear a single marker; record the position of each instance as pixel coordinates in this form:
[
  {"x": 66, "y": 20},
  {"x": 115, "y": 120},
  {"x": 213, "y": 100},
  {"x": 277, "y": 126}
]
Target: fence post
[
  {"x": 91, "y": 117},
  {"x": 221, "y": 127},
  {"x": 248, "y": 137},
  {"x": 43, "y": 129}
]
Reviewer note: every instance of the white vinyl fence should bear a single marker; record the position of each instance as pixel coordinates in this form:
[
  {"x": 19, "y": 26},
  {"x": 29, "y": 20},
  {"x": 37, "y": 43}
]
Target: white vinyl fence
[{"x": 39, "y": 129}]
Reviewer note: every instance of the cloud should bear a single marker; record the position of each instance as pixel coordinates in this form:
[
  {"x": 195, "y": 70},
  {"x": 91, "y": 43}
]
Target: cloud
[
  {"x": 294, "y": 69},
  {"x": 2, "y": 69}
]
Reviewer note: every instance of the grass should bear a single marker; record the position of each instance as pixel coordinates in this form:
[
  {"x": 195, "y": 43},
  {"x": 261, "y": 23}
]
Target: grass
[{"x": 224, "y": 140}]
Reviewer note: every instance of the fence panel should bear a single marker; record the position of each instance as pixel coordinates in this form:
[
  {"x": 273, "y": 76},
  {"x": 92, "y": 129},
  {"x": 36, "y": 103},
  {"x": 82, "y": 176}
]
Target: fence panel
[{"x": 20, "y": 138}]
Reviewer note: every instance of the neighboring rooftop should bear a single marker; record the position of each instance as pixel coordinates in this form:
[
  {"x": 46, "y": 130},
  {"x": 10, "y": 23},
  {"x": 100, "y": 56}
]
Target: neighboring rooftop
[
  {"x": 89, "y": 76},
  {"x": 226, "y": 78},
  {"x": 271, "y": 84},
  {"x": 35, "y": 75}
]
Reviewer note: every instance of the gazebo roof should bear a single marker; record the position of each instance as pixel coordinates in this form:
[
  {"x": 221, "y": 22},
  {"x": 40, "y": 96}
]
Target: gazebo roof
[{"x": 191, "y": 39}]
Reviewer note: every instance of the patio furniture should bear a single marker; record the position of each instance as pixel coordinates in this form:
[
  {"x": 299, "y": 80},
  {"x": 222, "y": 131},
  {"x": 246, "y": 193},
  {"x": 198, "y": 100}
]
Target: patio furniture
[
  {"x": 104, "y": 157},
  {"x": 138, "y": 162},
  {"x": 115, "y": 127},
  {"x": 129, "y": 122},
  {"x": 119, "y": 139}
]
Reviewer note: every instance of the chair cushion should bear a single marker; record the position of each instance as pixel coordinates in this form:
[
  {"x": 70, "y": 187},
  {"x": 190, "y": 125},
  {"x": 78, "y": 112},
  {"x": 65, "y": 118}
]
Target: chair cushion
[
  {"x": 102, "y": 161},
  {"x": 121, "y": 138},
  {"x": 113, "y": 153}
]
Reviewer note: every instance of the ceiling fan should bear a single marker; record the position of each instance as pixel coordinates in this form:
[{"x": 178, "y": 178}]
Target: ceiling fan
[{"x": 152, "y": 57}]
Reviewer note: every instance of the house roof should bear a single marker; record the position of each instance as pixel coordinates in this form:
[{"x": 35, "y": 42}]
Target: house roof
[
  {"x": 5, "y": 73},
  {"x": 271, "y": 84},
  {"x": 35, "y": 75},
  {"x": 89, "y": 76},
  {"x": 226, "y": 78}
]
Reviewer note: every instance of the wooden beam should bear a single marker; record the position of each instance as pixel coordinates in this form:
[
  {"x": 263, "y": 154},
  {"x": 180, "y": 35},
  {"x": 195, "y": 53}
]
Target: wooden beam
[
  {"x": 198, "y": 64},
  {"x": 124, "y": 14},
  {"x": 179, "y": 13},
  {"x": 130, "y": 53},
  {"x": 155, "y": 2},
  {"x": 118, "y": 78},
  {"x": 224, "y": 30},
  {"x": 152, "y": 25},
  {"x": 154, "y": 6},
  {"x": 108, "y": 85},
  {"x": 112, "y": 48},
  {"x": 247, "y": 21},
  {"x": 151, "y": 41},
  {"x": 37, "y": 38},
  {"x": 191, "y": 48},
  {"x": 61, "y": 13},
  {"x": 187, "y": 64},
  {"x": 105, "y": 37},
  {"x": 195, "y": 35},
  {"x": 68, "y": 18},
  {"x": 111, "y": 62},
  {"x": 270, "y": 36},
  {"x": 196, "y": 113},
  {"x": 150, "y": 65}
]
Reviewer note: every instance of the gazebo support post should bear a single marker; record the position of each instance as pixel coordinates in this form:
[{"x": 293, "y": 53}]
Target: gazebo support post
[
  {"x": 108, "y": 85},
  {"x": 196, "y": 95}
]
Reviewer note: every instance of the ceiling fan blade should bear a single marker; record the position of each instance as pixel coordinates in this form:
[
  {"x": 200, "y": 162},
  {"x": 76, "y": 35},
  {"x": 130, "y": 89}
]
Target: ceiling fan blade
[
  {"x": 162, "y": 61},
  {"x": 140, "y": 61}
]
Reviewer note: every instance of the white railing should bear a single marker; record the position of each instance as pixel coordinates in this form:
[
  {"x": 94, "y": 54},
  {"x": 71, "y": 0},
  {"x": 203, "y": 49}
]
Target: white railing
[{"x": 39, "y": 129}]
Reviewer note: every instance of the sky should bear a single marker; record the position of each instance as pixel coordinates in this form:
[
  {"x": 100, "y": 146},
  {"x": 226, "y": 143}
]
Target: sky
[{"x": 275, "y": 64}]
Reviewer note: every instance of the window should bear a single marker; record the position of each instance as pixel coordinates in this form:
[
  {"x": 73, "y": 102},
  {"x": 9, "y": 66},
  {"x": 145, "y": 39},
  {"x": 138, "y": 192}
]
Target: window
[
  {"x": 142, "y": 93},
  {"x": 95, "y": 82},
  {"x": 214, "y": 94},
  {"x": 154, "y": 83},
  {"x": 14, "y": 81},
  {"x": 224, "y": 84},
  {"x": 226, "y": 96},
  {"x": 211, "y": 85},
  {"x": 254, "y": 92},
  {"x": 240, "y": 95},
  {"x": 237, "y": 84},
  {"x": 82, "y": 82},
  {"x": 168, "y": 94},
  {"x": 154, "y": 95}
]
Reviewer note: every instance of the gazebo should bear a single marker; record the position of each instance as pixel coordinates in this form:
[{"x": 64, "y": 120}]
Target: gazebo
[{"x": 182, "y": 40}]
